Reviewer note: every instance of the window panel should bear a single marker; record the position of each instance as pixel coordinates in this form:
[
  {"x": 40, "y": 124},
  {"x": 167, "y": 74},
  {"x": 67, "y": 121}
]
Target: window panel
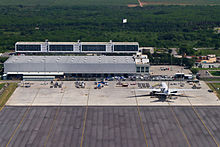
[
  {"x": 125, "y": 47},
  {"x": 138, "y": 69},
  {"x": 61, "y": 47},
  {"x": 142, "y": 69},
  {"x": 146, "y": 69},
  {"x": 28, "y": 47},
  {"x": 93, "y": 47}
]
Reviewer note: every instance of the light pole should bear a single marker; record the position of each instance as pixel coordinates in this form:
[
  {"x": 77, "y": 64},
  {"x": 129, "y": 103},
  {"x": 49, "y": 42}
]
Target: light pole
[
  {"x": 57, "y": 65},
  {"x": 44, "y": 70},
  {"x": 171, "y": 58}
]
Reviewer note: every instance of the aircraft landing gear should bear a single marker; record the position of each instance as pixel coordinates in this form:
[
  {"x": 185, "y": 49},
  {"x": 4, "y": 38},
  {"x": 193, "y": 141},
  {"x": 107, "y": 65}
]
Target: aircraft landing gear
[{"x": 152, "y": 93}]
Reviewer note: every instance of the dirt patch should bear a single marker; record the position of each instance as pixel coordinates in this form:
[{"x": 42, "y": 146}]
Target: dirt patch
[
  {"x": 132, "y": 5},
  {"x": 140, "y": 3},
  {"x": 136, "y": 5}
]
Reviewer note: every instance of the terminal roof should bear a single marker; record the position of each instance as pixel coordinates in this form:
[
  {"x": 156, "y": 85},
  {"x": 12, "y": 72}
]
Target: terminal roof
[
  {"x": 84, "y": 43},
  {"x": 71, "y": 59}
]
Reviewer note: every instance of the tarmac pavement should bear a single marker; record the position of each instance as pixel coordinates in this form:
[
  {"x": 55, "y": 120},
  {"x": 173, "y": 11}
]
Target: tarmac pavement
[
  {"x": 109, "y": 126},
  {"x": 112, "y": 95}
]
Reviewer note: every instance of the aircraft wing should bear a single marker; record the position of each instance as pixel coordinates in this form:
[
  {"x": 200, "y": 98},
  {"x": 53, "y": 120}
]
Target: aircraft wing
[
  {"x": 179, "y": 90},
  {"x": 160, "y": 93},
  {"x": 149, "y": 90}
]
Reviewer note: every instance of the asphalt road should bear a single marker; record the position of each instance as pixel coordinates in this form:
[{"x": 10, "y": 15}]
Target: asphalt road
[{"x": 110, "y": 126}]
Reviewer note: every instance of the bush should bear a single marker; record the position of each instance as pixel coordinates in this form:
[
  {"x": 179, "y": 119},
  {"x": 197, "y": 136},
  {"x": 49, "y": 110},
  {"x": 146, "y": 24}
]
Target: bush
[
  {"x": 3, "y": 59},
  {"x": 194, "y": 70}
]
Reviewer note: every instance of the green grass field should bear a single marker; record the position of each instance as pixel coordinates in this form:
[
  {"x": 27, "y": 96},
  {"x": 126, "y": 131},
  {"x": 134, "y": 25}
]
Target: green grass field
[
  {"x": 215, "y": 73},
  {"x": 2, "y": 85},
  {"x": 207, "y": 52},
  {"x": 7, "y": 93},
  {"x": 208, "y": 68},
  {"x": 108, "y": 2},
  {"x": 101, "y": 20},
  {"x": 181, "y": 2},
  {"x": 215, "y": 87},
  {"x": 68, "y": 2}
]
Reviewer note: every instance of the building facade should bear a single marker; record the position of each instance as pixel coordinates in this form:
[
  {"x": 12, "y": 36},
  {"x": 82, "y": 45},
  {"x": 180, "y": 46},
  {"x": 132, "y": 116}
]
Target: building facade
[
  {"x": 16, "y": 67},
  {"x": 76, "y": 47}
]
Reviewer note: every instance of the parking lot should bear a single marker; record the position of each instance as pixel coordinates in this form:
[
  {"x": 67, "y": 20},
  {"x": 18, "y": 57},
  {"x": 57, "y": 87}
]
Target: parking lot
[
  {"x": 40, "y": 94},
  {"x": 168, "y": 70}
]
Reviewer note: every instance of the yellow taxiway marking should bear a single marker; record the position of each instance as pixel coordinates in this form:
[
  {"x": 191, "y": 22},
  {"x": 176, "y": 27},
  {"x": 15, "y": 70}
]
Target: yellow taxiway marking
[
  {"x": 139, "y": 114},
  {"x": 197, "y": 114},
  {"x": 2, "y": 107},
  {"x": 51, "y": 127},
  {"x": 178, "y": 122},
  {"x": 23, "y": 117},
  {"x": 85, "y": 118},
  {"x": 54, "y": 119},
  {"x": 4, "y": 104}
]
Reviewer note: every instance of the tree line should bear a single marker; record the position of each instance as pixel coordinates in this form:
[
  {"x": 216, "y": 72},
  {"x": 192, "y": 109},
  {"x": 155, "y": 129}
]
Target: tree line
[{"x": 157, "y": 26}]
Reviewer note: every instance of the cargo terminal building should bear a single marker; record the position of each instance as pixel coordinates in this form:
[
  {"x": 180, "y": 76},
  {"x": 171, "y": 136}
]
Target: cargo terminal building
[
  {"x": 77, "y": 47},
  {"x": 70, "y": 67}
]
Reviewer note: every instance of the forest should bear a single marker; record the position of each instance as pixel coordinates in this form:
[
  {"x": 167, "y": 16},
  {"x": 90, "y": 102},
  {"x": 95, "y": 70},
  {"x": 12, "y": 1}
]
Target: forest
[{"x": 157, "y": 26}]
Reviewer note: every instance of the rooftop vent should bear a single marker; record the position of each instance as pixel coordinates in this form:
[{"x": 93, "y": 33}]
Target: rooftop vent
[
  {"x": 126, "y": 59},
  {"x": 85, "y": 59},
  {"x": 114, "y": 60}
]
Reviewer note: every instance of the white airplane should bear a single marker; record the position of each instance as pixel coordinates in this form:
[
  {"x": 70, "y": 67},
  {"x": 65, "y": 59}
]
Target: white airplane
[{"x": 165, "y": 91}]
